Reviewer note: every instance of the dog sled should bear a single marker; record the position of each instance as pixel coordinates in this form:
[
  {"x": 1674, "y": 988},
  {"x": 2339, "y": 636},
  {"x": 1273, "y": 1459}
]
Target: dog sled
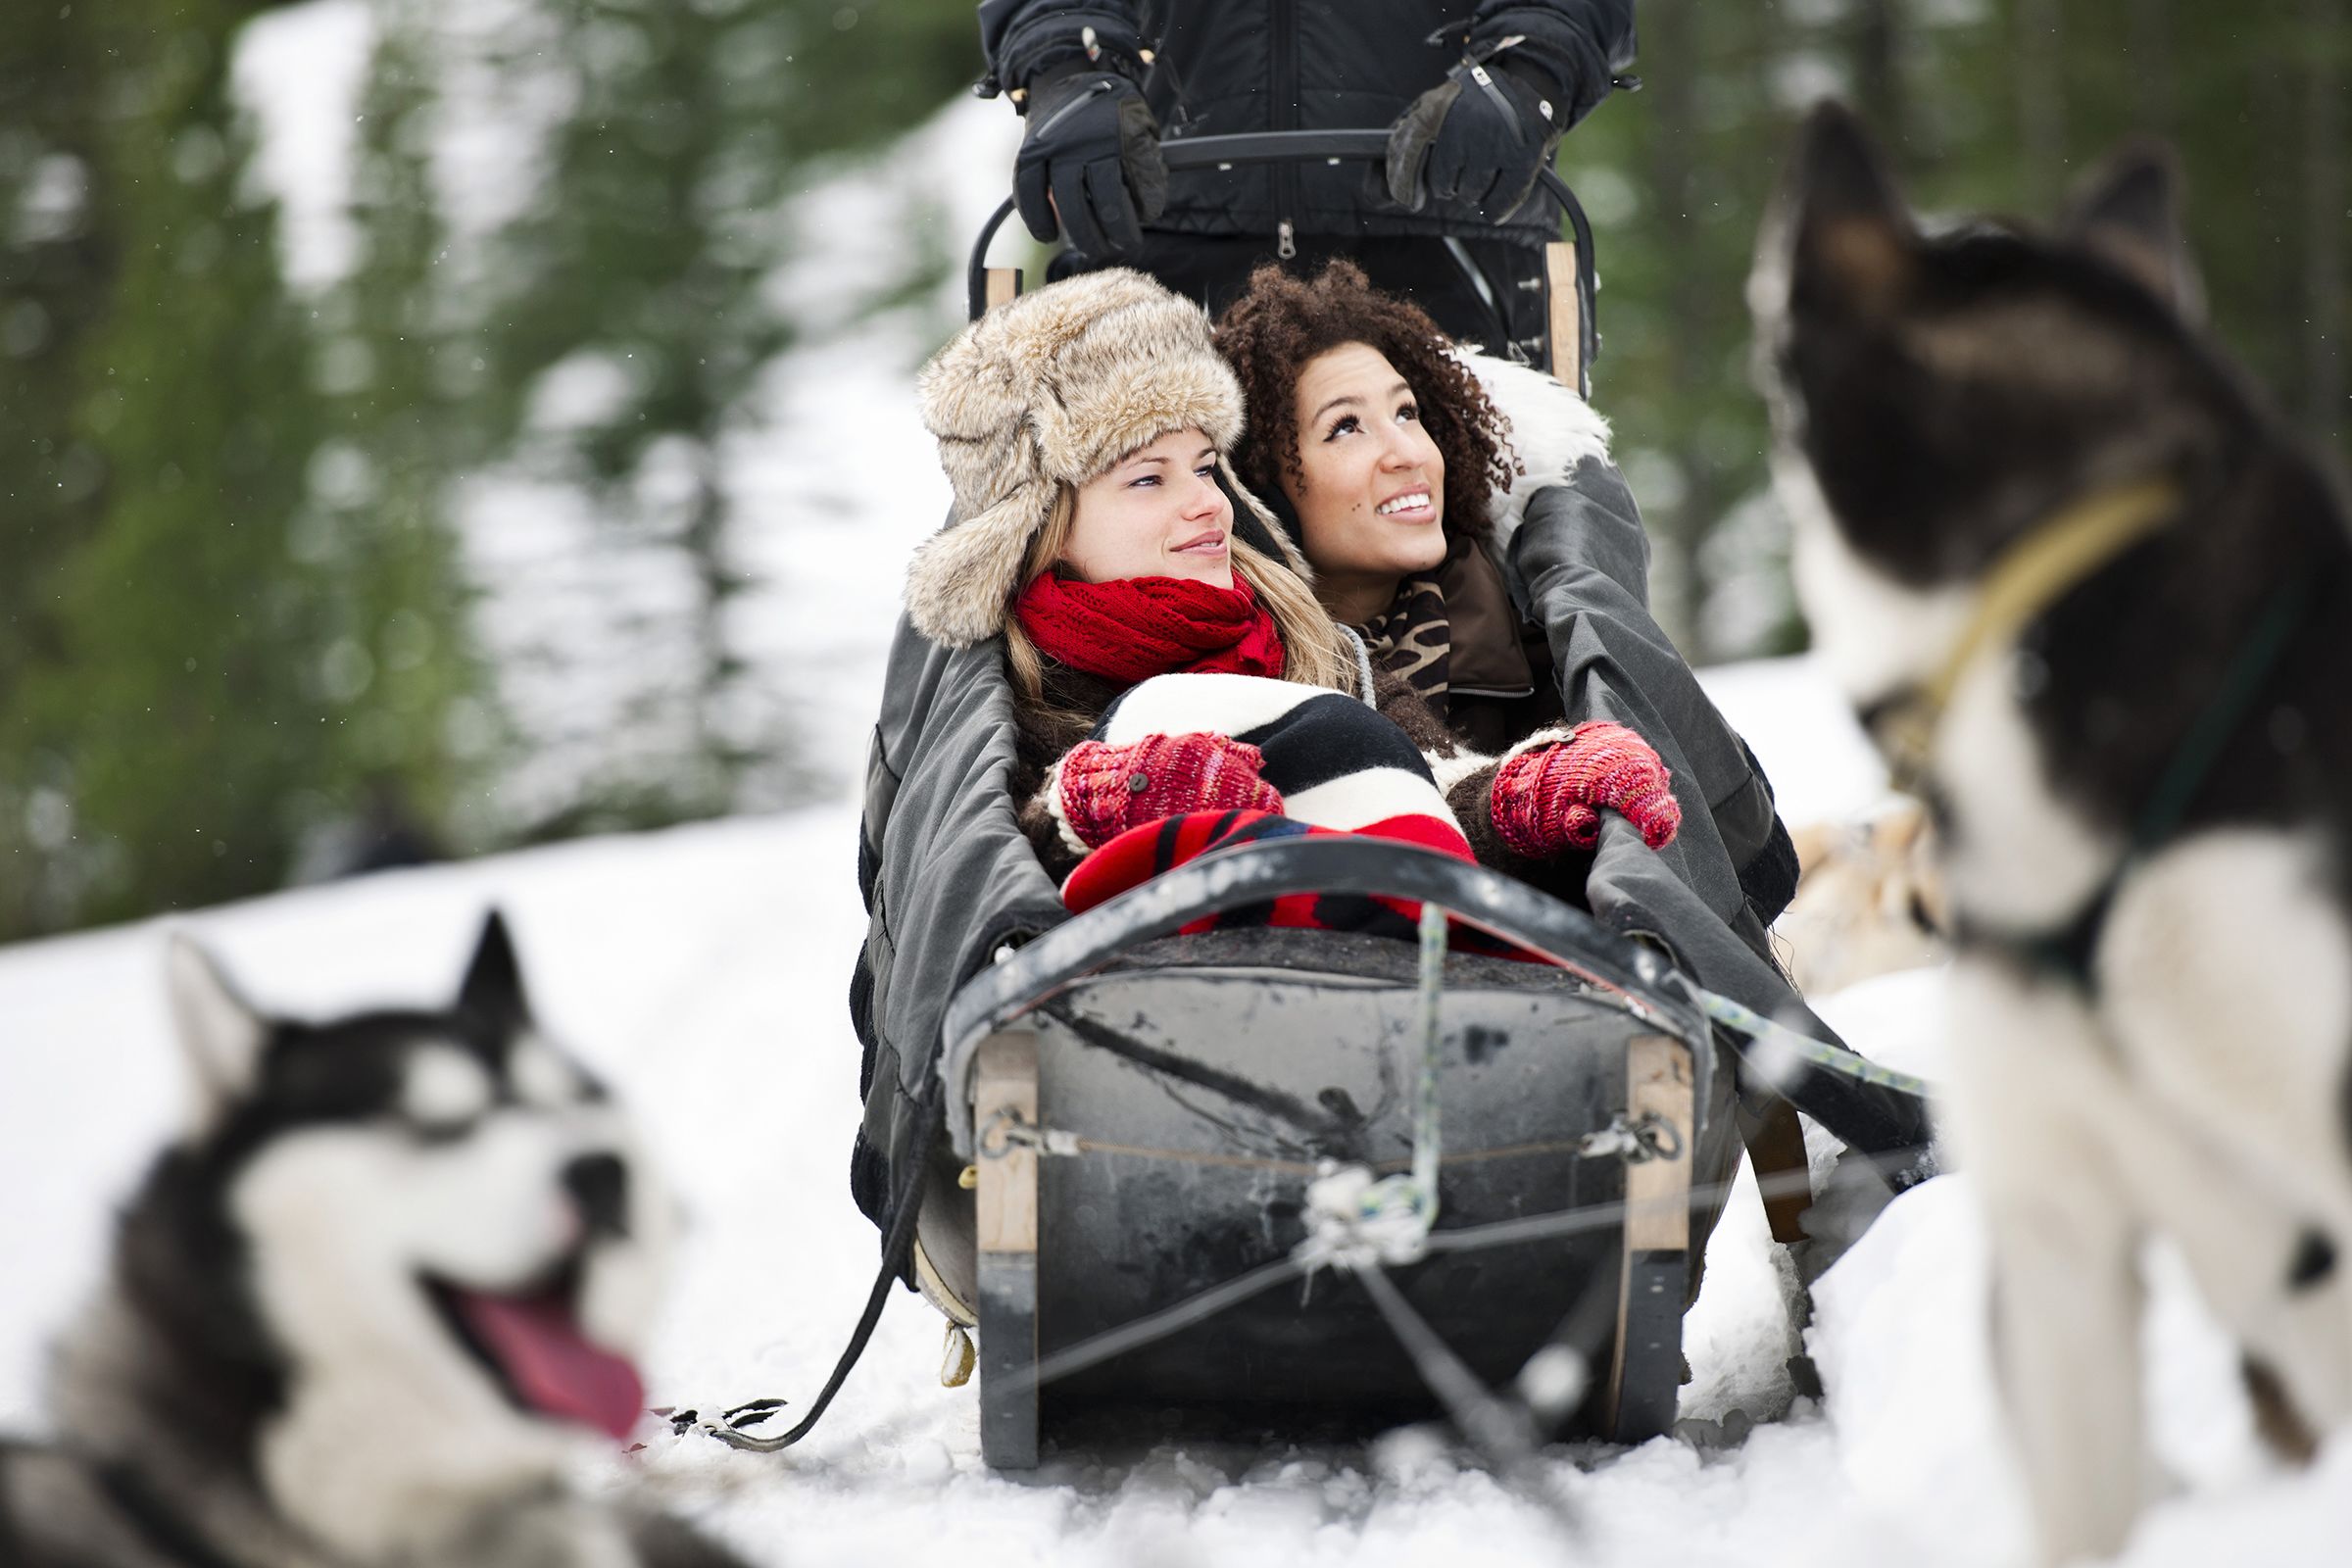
[{"x": 1300, "y": 1173}]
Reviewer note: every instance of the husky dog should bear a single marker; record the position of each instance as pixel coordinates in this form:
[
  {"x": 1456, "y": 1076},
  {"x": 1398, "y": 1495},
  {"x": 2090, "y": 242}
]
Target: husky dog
[
  {"x": 1868, "y": 901},
  {"x": 2085, "y": 590},
  {"x": 363, "y": 1309}
]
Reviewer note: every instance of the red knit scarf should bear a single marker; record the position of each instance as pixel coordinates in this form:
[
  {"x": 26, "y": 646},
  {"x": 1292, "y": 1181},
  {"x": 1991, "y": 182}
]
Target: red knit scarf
[{"x": 1144, "y": 627}]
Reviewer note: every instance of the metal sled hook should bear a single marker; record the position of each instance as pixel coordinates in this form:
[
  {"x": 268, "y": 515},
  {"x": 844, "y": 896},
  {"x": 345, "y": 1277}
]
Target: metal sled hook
[
  {"x": 1642, "y": 1139},
  {"x": 1008, "y": 1130}
]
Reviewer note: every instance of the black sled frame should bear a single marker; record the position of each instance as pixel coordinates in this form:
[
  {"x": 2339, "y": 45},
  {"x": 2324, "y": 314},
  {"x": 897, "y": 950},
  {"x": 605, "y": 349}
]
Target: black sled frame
[
  {"x": 1572, "y": 335},
  {"x": 1142, "y": 1115}
]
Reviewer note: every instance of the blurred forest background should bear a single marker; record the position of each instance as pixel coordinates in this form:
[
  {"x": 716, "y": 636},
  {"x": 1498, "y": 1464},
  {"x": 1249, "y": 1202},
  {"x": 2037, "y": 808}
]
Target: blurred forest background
[{"x": 270, "y": 515}]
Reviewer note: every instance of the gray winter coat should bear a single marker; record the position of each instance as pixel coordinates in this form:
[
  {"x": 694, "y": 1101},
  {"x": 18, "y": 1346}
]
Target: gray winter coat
[{"x": 1580, "y": 565}]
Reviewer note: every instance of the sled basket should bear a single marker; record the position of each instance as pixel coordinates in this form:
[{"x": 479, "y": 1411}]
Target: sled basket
[{"x": 1136, "y": 1118}]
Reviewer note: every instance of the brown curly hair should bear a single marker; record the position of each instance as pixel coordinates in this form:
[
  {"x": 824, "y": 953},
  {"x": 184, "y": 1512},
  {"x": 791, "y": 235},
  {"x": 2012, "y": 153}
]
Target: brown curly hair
[{"x": 1280, "y": 323}]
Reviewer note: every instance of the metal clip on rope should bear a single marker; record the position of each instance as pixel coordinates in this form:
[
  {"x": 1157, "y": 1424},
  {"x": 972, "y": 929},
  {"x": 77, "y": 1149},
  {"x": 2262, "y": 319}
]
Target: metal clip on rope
[
  {"x": 1005, "y": 1131},
  {"x": 1642, "y": 1139},
  {"x": 1354, "y": 1221}
]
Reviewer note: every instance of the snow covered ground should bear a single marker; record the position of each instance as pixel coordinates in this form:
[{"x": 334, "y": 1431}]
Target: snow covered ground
[{"x": 702, "y": 971}]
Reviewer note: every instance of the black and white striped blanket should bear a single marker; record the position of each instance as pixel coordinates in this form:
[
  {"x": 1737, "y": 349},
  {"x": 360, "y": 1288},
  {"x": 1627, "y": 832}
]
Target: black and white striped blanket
[
  {"x": 1337, "y": 762},
  {"x": 1341, "y": 767}
]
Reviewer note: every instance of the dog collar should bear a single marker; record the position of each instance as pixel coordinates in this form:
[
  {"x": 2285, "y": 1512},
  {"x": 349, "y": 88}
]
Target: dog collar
[{"x": 2026, "y": 580}]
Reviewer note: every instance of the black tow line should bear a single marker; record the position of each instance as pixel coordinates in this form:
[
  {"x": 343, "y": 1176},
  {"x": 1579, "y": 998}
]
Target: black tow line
[{"x": 897, "y": 1246}]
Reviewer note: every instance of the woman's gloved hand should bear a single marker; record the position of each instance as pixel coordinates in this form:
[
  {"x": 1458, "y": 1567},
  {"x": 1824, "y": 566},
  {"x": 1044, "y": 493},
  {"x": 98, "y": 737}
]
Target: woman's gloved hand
[
  {"x": 1550, "y": 797},
  {"x": 1104, "y": 790}
]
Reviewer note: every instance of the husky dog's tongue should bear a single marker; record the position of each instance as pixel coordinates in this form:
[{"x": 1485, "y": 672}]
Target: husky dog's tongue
[{"x": 553, "y": 1369}]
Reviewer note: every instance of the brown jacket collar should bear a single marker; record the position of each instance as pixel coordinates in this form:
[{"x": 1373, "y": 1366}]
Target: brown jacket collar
[{"x": 1487, "y": 657}]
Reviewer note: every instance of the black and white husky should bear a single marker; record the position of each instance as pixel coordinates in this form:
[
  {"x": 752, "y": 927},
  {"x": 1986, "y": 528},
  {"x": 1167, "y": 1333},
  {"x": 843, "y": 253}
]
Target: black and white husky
[
  {"x": 364, "y": 1310},
  {"x": 2077, "y": 580}
]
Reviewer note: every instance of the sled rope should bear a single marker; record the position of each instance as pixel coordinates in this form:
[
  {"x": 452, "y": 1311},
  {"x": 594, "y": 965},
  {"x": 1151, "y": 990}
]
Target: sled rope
[
  {"x": 1643, "y": 1137},
  {"x": 1354, "y": 1219},
  {"x": 1502, "y": 1431},
  {"x": 1206, "y": 1303},
  {"x": 1791, "y": 1048},
  {"x": 1359, "y": 1224}
]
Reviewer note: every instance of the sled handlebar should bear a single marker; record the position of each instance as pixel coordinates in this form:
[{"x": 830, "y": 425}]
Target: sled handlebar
[
  {"x": 1638, "y": 979},
  {"x": 1182, "y": 153}
]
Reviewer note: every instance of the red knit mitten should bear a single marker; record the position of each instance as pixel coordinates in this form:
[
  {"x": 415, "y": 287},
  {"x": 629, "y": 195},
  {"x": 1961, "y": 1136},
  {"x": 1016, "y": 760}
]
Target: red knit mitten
[
  {"x": 1550, "y": 797},
  {"x": 1105, "y": 790}
]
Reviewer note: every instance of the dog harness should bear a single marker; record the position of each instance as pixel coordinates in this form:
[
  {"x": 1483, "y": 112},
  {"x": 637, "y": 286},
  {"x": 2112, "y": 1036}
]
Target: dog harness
[
  {"x": 2025, "y": 580},
  {"x": 2029, "y": 577},
  {"x": 2068, "y": 952}
]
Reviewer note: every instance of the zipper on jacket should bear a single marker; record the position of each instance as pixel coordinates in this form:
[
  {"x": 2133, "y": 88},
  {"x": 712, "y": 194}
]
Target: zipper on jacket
[{"x": 1283, "y": 58}]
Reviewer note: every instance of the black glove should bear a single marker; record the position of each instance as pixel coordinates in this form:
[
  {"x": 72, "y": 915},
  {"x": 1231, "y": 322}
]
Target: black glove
[
  {"x": 1477, "y": 139},
  {"x": 1094, "y": 147}
]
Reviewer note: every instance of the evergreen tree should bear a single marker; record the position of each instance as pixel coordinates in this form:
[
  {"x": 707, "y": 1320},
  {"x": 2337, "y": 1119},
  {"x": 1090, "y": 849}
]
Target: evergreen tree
[
  {"x": 193, "y": 688},
  {"x": 401, "y": 368},
  {"x": 58, "y": 255},
  {"x": 650, "y": 251},
  {"x": 646, "y": 251}
]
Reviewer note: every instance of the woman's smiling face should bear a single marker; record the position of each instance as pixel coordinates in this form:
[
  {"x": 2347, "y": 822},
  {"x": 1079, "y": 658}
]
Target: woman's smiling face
[
  {"x": 1371, "y": 502},
  {"x": 1156, "y": 513}
]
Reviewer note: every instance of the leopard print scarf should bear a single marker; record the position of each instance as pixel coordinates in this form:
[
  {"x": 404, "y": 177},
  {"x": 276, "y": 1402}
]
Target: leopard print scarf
[{"x": 1413, "y": 638}]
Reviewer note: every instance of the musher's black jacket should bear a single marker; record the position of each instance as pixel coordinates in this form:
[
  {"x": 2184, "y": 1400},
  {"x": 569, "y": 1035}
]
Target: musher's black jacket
[{"x": 1225, "y": 67}]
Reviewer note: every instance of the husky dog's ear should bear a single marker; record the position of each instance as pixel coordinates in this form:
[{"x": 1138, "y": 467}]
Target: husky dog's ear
[
  {"x": 2127, "y": 213},
  {"x": 493, "y": 983},
  {"x": 220, "y": 1033},
  {"x": 1850, "y": 240}
]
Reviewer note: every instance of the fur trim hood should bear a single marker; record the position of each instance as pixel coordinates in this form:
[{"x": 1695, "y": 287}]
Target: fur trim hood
[
  {"x": 1550, "y": 430},
  {"x": 1050, "y": 389}
]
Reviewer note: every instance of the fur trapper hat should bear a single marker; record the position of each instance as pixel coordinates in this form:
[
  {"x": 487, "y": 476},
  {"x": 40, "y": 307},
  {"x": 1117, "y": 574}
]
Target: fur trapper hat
[{"x": 1053, "y": 388}]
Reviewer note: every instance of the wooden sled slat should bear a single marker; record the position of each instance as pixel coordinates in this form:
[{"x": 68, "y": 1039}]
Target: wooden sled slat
[
  {"x": 1565, "y": 318},
  {"x": 1646, "y": 1380},
  {"x": 1004, "y": 1092}
]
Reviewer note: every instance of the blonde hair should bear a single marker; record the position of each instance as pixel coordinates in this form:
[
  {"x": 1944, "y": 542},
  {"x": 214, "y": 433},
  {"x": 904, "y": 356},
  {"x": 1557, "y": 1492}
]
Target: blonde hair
[{"x": 1314, "y": 651}]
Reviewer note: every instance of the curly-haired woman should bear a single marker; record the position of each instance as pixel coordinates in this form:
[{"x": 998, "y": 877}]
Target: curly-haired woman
[{"x": 1461, "y": 513}]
